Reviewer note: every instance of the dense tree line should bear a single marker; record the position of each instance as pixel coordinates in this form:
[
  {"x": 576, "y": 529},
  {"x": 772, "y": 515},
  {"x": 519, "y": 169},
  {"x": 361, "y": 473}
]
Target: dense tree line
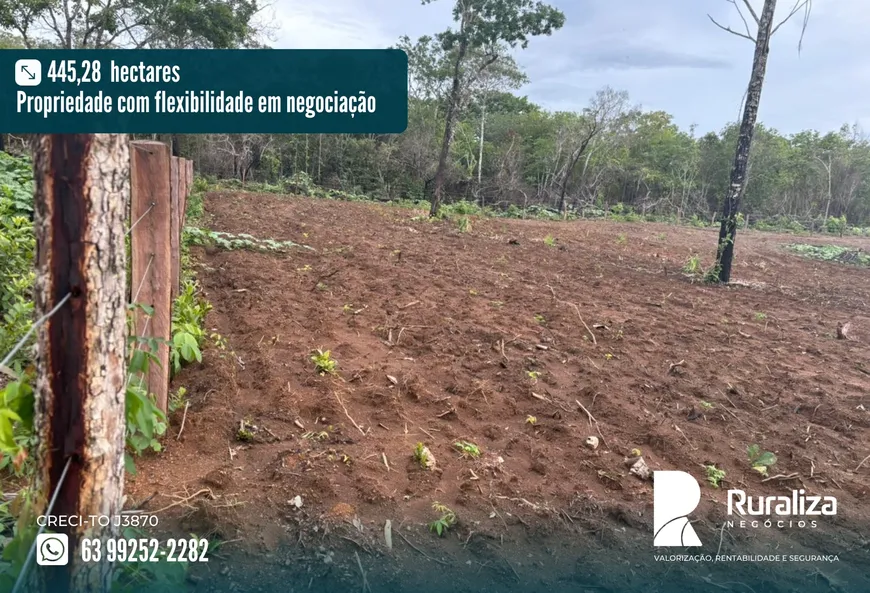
[
  {"x": 531, "y": 156},
  {"x": 503, "y": 148}
]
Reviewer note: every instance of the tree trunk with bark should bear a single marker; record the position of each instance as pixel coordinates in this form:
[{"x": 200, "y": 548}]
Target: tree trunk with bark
[
  {"x": 450, "y": 121},
  {"x": 737, "y": 186},
  {"x": 82, "y": 189}
]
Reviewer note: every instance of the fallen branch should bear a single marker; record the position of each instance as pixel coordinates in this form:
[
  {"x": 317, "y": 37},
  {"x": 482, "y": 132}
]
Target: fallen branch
[
  {"x": 782, "y": 477},
  {"x": 362, "y": 572},
  {"x": 674, "y": 365},
  {"x": 592, "y": 421},
  {"x": 424, "y": 554},
  {"x": 184, "y": 500},
  {"x": 341, "y": 403},
  {"x": 183, "y": 418},
  {"x": 863, "y": 461},
  {"x": 577, "y": 309},
  {"x": 589, "y": 414}
]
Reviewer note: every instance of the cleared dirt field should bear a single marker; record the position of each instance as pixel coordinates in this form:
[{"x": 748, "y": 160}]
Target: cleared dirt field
[{"x": 442, "y": 336}]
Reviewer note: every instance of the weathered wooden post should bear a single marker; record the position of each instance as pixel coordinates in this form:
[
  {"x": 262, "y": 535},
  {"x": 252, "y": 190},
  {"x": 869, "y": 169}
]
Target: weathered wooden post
[
  {"x": 177, "y": 170},
  {"x": 81, "y": 191},
  {"x": 151, "y": 259}
]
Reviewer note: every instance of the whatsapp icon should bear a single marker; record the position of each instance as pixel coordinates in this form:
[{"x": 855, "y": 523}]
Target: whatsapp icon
[{"x": 52, "y": 549}]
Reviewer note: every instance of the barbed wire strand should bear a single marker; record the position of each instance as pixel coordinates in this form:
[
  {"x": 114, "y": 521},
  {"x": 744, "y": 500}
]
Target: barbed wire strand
[
  {"x": 144, "y": 276},
  {"x": 142, "y": 335},
  {"x": 22, "y": 576},
  {"x": 138, "y": 220},
  {"x": 33, "y": 328}
]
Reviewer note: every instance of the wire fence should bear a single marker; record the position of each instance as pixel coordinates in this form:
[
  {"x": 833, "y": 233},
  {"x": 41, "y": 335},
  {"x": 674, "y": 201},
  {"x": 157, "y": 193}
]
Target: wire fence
[
  {"x": 22, "y": 576},
  {"x": 179, "y": 173}
]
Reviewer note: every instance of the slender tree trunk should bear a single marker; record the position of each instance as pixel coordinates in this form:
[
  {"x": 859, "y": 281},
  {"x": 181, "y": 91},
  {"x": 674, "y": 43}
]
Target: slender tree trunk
[
  {"x": 737, "y": 187},
  {"x": 82, "y": 189},
  {"x": 575, "y": 158},
  {"x": 452, "y": 112},
  {"x": 480, "y": 151},
  {"x": 176, "y": 145}
]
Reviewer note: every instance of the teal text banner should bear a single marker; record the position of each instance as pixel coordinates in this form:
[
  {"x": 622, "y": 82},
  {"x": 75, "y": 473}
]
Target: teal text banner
[{"x": 204, "y": 91}]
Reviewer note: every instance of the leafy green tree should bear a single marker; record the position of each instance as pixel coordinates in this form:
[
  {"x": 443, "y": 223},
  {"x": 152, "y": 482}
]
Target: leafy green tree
[
  {"x": 98, "y": 24},
  {"x": 485, "y": 25}
]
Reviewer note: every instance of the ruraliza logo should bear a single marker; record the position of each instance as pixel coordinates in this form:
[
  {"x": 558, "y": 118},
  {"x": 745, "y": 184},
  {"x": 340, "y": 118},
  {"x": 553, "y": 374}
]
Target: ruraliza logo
[{"x": 675, "y": 495}]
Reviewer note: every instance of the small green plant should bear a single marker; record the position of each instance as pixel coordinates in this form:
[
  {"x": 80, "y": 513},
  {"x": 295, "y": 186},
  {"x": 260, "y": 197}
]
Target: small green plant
[
  {"x": 661, "y": 236},
  {"x": 540, "y": 320},
  {"x": 178, "y": 399},
  {"x": 348, "y": 308},
  {"x": 692, "y": 265},
  {"x": 714, "y": 475},
  {"x": 760, "y": 460},
  {"x": 244, "y": 435},
  {"x": 706, "y": 406},
  {"x": 836, "y": 226},
  {"x": 531, "y": 420},
  {"x": 608, "y": 356},
  {"x": 423, "y": 456},
  {"x": 324, "y": 364},
  {"x": 550, "y": 241},
  {"x": 622, "y": 239},
  {"x": 469, "y": 450},
  {"x": 464, "y": 224},
  {"x": 444, "y": 522},
  {"x": 230, "y": 242},
  {"x": 533, "y": 375},
  {"x": 759, "y": 316}
]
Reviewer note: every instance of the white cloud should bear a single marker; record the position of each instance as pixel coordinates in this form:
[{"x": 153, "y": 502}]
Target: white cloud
[{"x": 666, "y": 53}]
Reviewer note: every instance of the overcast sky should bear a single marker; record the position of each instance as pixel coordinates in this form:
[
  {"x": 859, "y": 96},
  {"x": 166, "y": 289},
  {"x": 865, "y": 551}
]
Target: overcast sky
[{"x": 665, "y": 53}]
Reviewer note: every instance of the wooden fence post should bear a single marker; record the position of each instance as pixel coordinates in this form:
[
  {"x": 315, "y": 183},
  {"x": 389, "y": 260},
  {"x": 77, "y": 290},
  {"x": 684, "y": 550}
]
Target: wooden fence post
[
  {"x": 176, "y": 187},
  {"x": 81, "y": 191},
  {"x": 151, "y": 260}
]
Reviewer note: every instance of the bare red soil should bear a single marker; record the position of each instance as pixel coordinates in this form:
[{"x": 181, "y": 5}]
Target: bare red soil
[{"x": 443, "y": 336}]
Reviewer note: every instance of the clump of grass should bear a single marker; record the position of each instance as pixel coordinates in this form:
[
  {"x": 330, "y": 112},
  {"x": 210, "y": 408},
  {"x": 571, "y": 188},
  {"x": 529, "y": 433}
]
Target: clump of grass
[
  {"x": 445, "y": 521},
  {"x": 714, "y": 475},
  {"x": 423, "y": 456},
  {"x": 550, "y": 241},
  {"x": 324, "y": 364},
  {"x": 692, "y": 265},
  {"x": 469, "y": 450}
]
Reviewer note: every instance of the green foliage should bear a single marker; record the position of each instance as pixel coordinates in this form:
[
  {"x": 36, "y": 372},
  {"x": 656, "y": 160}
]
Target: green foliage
[
  {"x": 228, "y": 241},
  {"x": 443, "y": 523},
  {"x": 832, "y": 253},
  {"x": 836, "y": 226},
  {"x": 16, "y": 423},
  {"x": 469, "y": 450},
  {"x": 550, "y": 241},
  {"x": 423, "y": 456},
  {"x": 188, "y": 326},
  {"x": 714, "y": 475},
  {"x": 760, "y": 460},
  {"x": 692, "y": 265},
  {"x": 464, "y": 224},
  {"x": 17, "y": 250},
  {"x": 158, "y": 24},
  {"x": 324, "y": 364}
]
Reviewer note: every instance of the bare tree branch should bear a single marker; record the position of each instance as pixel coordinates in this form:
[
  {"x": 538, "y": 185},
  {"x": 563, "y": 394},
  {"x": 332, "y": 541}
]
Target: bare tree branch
[
  {"x": 742, "y": 18},
  {"x": 730, "y": 30},
  {"x": 752, "y": 11},
  {"x": 807, "y": 6}
]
